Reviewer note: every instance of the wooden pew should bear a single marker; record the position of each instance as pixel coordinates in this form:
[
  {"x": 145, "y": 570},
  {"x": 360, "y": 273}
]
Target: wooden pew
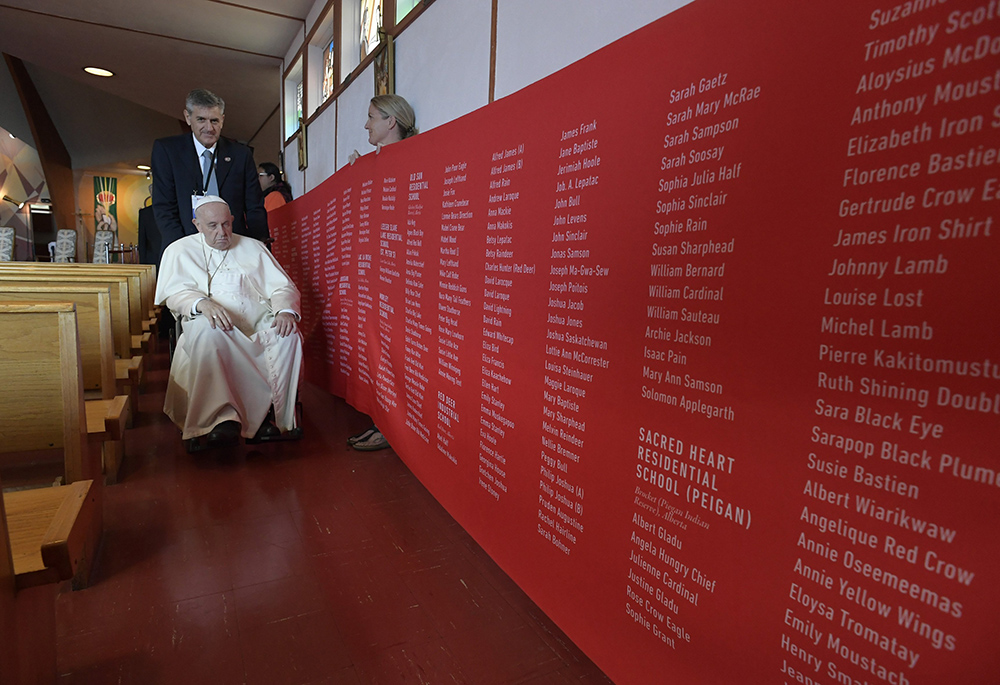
[
  {"x": 129, "y": 364},
  {"x": 93, "y": 313},
  {"x": 93, "y": 318},
  {"x": 44, "y": 410},
  {"x": 127, "y": 371},
  {"x": 146, "y": 274},
  {"x": 147, "y": 284},
  {"x": 40, "y": 372},
  {"x": 129, "y": 284},
  {"x": 43, "y": 541},
  {"x": 42, "y": 402}
]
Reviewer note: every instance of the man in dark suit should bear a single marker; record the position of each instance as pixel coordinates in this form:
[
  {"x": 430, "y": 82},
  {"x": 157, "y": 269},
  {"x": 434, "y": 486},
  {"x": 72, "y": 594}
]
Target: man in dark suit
[
  {"x": 149, "y": 234},
  {"x": 149, "y": 238},
  {"x": 205, "y": 163}
]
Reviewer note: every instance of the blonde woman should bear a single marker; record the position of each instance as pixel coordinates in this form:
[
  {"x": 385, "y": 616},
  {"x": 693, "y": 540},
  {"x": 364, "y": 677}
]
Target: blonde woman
[{"x": 390, "y": 120}]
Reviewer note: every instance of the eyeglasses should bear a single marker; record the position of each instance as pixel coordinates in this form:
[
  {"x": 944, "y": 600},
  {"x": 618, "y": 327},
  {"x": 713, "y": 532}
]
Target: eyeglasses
[{"x": 263, "y": 174}]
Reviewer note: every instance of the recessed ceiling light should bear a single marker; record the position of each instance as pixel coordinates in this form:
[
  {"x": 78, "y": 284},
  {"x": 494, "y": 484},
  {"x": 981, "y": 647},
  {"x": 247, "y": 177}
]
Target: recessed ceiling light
[
  {"x": 143, "y": 167},
  {"x": 97, "y": 71},
  {"x": 12, "y": 136}
]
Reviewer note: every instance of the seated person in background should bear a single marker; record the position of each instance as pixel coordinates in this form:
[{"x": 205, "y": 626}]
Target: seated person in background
[
  {"x": 276, "y": 191},
  {"x": 390, "y": 120},
  {"x": 240, "y": 353}
]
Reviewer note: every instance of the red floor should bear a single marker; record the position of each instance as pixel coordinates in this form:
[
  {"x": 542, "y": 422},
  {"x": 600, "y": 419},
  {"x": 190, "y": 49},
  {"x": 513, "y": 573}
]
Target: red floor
[{"x": 294, "y": 563}]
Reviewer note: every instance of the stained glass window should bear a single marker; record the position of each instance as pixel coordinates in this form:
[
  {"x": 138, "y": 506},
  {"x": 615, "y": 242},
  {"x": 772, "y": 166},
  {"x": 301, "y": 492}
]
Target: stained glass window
[
  {"x": 371, "y": 22},
  {"x": 329, "y": 81}
]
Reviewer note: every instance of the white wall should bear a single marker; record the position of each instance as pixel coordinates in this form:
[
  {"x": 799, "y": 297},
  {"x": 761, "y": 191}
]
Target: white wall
[
  {"x": 443, "y": 63},
  {"x": 451, "y": 78},
  {"x": 319, "y": 139},
  {"x": 295, "y": 178},
  {"x": 536, "y": 38},
  {"x": 352, "y": 114}
]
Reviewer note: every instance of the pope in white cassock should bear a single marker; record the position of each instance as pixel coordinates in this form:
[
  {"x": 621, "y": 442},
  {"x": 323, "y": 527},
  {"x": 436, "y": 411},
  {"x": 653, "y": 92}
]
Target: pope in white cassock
[{"x": 240, "y": 352}]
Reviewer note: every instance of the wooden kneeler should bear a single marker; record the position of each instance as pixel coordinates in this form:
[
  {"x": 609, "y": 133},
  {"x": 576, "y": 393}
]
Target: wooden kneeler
[{"x": 43, "y": 541}]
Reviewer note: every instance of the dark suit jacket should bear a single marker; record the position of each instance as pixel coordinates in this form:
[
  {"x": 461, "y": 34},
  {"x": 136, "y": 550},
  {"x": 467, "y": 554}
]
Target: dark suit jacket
[
  {"x": 177, "y": 174},
  {"x": 149, "y": 238}
]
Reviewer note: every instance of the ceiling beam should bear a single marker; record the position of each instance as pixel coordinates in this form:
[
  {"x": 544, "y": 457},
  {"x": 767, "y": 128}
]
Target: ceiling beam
[{"x": 257, "y": 9}]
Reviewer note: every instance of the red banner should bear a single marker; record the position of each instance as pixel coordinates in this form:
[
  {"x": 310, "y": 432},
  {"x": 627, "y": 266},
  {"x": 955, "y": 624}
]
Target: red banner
[{"x": 698, "y": 338}]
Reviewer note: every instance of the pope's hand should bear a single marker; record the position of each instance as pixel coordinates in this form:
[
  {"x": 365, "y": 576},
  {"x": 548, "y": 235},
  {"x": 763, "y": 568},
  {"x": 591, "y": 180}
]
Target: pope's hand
[
  {"x": 284, "y": 324},
  {"x": 216, "y": 314}
]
